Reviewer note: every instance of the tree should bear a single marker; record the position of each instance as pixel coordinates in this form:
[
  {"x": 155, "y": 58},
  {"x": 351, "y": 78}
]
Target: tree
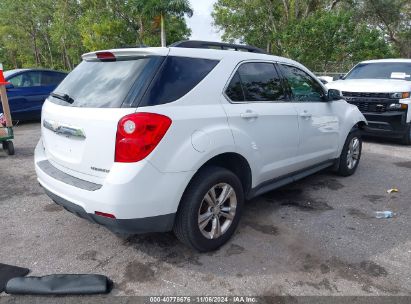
[
  {"x": 259, "y": 22},
  {"x": 327, "y": 41},
  {"x": 166, "y": 8},
  {"x": 100, "y": 28},
  {"x": 54, "y": 33},
  {"x": 175, "y": 31},
  {"x": 28, "y": 22},
  {"x": 393, "y": 18},
  {"x": 65, "y": 32},
  {"x": 319, "y": 33}
]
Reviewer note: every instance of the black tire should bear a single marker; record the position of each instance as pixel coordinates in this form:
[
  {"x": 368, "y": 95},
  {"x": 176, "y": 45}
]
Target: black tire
[
  {"x": 10, "y": 147},
  {"x": 406, "y": 140},
  {"x": 4, "y": 145},
  {"x": 186, "y": 226},
  {"x": 343, "y": 166}
]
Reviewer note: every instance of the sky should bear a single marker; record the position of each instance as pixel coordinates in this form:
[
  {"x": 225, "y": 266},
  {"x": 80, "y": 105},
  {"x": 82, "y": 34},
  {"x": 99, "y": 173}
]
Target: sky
[{"x": 201, "y": 22}]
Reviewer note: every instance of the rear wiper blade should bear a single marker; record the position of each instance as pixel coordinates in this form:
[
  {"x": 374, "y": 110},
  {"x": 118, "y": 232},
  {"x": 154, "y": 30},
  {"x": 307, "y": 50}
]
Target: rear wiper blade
[{"x": 63, "y": 97}]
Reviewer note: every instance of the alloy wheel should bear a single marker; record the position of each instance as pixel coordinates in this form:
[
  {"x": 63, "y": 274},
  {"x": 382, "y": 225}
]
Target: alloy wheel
[
  {"x": 217, "y": 211},
  {"x": 353, "y": 153}
]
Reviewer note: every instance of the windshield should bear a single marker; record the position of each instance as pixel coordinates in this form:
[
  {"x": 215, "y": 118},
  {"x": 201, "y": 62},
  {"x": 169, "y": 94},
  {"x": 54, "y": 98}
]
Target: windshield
[
  {"x": 97, "y": 84},
  {"x": 381, "y": 70}
]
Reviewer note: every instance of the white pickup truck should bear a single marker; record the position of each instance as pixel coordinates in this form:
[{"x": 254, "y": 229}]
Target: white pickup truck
[{"x": 381, "y": 90}]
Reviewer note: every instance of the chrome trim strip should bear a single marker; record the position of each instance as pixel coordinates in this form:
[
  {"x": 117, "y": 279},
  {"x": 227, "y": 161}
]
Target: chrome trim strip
[{"x": 63, "y": 129}]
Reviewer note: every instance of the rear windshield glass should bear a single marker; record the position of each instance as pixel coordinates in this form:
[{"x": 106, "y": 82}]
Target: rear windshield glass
[
  {"x": 96, "y": 84},
  {"x": 177, "y": 77},
  {"x": 381, "y": 70}
]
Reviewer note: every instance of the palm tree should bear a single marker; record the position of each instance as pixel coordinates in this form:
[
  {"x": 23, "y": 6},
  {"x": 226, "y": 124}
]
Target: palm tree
[{"x": 164, "y": 8}]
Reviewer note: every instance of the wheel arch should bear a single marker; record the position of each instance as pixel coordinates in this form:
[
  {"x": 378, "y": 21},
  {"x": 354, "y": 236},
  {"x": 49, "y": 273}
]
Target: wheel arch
[
  {"x": 360, "y": 125},
  {"x": 352, "y": 119},
  {"x": 234, "y": 162}
]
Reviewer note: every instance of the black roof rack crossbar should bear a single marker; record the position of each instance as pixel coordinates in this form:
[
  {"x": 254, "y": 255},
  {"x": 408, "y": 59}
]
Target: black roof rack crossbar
[{"x": 197, "y": 44}]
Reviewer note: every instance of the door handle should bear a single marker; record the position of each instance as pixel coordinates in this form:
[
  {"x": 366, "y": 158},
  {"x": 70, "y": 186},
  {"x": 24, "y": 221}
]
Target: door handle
[
  {"x": 305, "y": 114},
  {"x": 249, "y": 115}
]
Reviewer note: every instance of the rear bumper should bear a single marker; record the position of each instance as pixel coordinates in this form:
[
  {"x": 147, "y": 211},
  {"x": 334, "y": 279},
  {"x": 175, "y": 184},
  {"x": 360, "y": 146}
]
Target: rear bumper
[
  {"x": 141, "y": 198},
  {"x": 161, "y": 223},
  {"x": 387, "y": 124}
]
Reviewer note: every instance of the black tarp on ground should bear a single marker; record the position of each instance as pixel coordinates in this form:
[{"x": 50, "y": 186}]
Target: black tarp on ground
[
  {"x": 8, "y": 272},
  {"x": 60, "y": 284}
]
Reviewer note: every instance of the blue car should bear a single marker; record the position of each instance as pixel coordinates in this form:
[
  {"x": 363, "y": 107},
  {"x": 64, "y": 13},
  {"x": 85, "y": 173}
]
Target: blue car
[{"x": 28, "y": 89}]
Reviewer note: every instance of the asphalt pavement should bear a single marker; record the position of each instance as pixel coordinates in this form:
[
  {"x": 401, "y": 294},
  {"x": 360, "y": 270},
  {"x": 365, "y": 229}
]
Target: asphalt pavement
[{"x": 318, "y": 236}]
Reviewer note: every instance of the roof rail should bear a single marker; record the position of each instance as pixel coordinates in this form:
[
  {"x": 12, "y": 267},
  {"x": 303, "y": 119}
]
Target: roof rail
[
  {"x": 198, "y": 44},
  {"x": 138, "y": 46}
]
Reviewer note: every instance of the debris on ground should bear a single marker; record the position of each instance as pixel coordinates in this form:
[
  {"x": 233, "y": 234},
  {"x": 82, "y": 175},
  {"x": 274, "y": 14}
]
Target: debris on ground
[
  {"x": 384, "y": 214},
  {"x": 392, "y": 190}
]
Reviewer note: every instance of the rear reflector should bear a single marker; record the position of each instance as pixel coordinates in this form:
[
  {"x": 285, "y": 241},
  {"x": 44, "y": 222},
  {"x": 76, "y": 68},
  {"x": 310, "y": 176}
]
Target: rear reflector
[
  {"x": 105, "y": 214},
  {"x": 106, "y": 56},
  {"x": 138, "y": 134}
]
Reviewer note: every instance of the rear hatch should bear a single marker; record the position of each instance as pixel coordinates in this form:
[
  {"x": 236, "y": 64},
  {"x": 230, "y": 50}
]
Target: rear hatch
[{"x": 80, "y": 118}]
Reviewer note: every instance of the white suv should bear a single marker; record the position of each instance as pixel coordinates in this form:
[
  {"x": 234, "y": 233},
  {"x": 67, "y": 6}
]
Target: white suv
[{"x": 159, "y": 139}]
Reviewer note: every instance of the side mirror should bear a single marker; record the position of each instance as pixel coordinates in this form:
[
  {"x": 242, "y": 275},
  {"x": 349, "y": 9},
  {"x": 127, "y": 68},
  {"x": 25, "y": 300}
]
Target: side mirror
[
  {"x": 9, "y": 86},
  {"x": 341, "y": 77},
  {"x": 334, "y": 95}
]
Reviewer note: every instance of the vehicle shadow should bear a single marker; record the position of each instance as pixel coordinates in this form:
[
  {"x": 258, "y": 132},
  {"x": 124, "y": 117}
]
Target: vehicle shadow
[
  {"x": 383, "y": 141},
  {"x": 299, "y": 228}
]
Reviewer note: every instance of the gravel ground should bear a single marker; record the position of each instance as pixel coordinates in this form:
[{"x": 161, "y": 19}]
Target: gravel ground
[{"x": 314, "y": 237}]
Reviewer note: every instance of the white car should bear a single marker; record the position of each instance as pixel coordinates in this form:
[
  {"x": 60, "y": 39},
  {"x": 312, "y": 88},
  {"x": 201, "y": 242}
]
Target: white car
[
  {"x": 382, "y": 91},
  {"x": 325, "y": 79},
  {"x": 160, "y": 139}
]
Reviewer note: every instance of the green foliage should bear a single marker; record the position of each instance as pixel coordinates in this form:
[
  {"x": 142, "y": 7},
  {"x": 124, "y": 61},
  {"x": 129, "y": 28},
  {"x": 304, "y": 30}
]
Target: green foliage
[
  {"x": 65, "y": 32},
  {"x": 176, "y": 30},
  {"x": 173, "y": 7},
  {"x": 325, "y": 35},
  {"x": 166, "y": 9},
  {"x": 326, "y": 38},
  {"x": 54, "y": 33},
  {"x": 24, "y": 29},
  {"x": 393, "y": 18}
]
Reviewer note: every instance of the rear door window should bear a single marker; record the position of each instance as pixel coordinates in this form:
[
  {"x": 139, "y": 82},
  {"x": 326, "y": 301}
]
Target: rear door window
[
  {"x": 96, "y": 84},
  {"x": 177, "y": 77},
  {"x": 256, "y": 82}
]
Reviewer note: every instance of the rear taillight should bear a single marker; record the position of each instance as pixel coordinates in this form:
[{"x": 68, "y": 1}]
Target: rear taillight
[
  {"x": 103, "y": 214},
  {"x": 138, "y": 134}
]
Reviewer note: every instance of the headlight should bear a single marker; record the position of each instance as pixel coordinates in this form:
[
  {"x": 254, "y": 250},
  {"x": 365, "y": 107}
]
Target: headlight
[
  {"x": 400, "y": 95},
  {"x": 398, "y": 106}
]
